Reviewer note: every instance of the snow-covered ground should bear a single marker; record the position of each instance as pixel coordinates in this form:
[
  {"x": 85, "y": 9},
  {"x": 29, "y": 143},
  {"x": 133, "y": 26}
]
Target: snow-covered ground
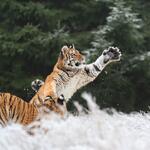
[{"x": 96, "y": 130}]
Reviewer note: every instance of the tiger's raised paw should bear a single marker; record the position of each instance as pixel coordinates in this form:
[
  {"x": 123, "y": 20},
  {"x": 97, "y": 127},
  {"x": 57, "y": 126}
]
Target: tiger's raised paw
[
  {"x": 111, "y": 54},
  {"x": 36, "y": 84}
]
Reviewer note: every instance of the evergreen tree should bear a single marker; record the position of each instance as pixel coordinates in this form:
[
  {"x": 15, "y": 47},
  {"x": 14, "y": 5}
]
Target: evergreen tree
[{"x": 32, "y": 33}]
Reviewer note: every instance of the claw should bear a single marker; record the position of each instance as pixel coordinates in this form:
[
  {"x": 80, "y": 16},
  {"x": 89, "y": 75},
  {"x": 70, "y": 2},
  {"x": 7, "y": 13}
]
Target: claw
[{"x": 113, "y": 54}]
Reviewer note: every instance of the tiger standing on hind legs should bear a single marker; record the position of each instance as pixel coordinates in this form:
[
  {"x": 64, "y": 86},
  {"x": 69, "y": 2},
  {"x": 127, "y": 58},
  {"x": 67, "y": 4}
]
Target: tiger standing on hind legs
[{"x": 69, "y": 74}]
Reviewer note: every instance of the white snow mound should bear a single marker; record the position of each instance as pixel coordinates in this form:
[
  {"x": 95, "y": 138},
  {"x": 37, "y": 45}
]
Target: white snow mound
[{"x": 96, "y": 130}]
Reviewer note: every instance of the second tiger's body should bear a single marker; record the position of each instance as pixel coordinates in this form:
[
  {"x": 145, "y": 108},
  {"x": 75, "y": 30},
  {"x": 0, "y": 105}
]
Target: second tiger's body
[{"x": 14, "y": 109}]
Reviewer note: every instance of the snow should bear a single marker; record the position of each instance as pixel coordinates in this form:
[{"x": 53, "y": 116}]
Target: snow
[{"x": 95, "y": 130}]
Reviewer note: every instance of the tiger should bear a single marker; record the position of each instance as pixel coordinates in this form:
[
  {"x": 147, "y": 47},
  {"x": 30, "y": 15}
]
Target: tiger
[
  {"x": 15, "y": 109},
  {"x": 71, "y": 73}
]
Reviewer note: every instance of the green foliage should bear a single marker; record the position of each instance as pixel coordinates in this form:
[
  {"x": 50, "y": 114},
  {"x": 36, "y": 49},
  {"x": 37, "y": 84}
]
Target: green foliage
[
  {"x": 122, "y": 29},
  {"x": 33, "y": 32},
  {"x": 125, "y": 30}
]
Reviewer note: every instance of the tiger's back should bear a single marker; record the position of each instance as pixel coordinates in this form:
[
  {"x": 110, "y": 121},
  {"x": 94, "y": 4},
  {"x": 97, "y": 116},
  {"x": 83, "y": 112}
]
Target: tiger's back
[{"x": 14, "y": 109}]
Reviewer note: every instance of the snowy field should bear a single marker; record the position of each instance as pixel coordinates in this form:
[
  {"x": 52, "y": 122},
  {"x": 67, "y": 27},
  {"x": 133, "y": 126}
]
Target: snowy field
[{"x": 96, "y": 130}]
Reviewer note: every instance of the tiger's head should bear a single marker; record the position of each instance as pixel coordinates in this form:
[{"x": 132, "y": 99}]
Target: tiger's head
[{"x": 70, "y": 57}]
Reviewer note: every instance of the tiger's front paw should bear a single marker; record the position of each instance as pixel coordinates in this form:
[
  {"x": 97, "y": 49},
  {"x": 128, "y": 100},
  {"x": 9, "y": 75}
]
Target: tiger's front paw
[
  {"x": 36, "y": 84},
  {"x": 111, "y": 54},
  {"x": 61, "y": 99}
]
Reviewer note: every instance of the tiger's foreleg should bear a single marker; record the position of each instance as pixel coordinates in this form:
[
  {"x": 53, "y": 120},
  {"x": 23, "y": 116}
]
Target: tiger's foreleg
[
  {"x": 57, "y": 105},
  {"x": 91, "y": 71}
]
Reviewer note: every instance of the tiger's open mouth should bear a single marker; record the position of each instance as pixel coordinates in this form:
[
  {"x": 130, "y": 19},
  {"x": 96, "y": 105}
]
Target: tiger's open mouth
[{"x": 77, "y": 64}]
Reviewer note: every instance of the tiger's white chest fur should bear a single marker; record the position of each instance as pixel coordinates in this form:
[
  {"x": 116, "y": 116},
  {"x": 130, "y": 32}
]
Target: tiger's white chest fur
[
  {"x": 72, "y": 85},
  {"x": 70, "y": 88}
]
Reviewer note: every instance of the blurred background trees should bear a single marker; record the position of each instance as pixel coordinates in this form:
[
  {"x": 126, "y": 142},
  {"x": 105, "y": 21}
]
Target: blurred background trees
[{"x": 32, "y": 33}]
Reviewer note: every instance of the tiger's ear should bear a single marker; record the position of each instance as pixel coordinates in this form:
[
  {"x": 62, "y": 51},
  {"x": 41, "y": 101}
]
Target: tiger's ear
[{"x": 64, "y": 49}]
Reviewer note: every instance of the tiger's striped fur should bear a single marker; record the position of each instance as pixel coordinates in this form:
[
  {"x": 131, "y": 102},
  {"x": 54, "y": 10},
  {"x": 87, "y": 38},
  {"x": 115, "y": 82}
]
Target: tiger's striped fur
[
  {"x": 69, "y": 74},
  {"x": 14, "y": 109}
]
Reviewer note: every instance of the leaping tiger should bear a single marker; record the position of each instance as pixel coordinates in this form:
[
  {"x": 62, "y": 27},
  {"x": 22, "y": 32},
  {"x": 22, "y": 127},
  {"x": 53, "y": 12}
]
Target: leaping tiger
[{"x": 69, "y": 74}]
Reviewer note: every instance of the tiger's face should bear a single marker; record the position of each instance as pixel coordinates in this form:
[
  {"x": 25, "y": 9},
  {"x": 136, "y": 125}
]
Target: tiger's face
[{"x": 72, "y": 57}]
